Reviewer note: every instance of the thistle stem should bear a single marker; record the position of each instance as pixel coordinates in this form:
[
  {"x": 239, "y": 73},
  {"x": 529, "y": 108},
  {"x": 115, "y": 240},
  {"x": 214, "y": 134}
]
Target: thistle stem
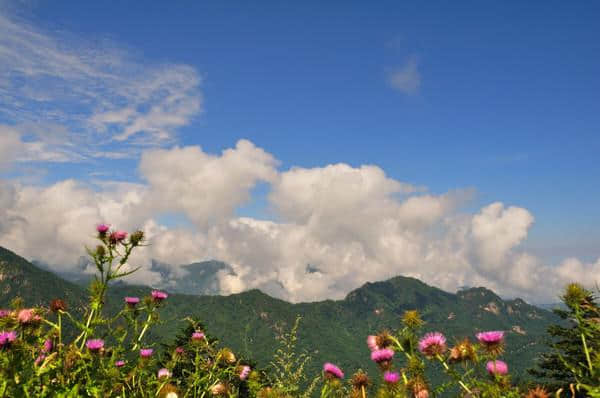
[{"x": 453, "y": 374}]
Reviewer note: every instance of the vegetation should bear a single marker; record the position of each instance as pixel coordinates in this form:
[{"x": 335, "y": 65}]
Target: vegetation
[{"x": 110, "y": 346}]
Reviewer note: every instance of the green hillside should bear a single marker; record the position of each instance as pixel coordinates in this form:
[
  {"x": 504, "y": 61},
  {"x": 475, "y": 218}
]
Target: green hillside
[{"x": 330, "y": 330}]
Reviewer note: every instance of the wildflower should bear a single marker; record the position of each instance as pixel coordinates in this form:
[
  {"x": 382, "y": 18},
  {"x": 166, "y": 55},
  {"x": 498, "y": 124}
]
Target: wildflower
[
  {"x": 117, "y": 236},
  {"x": 419, "y": 388},
  {"x": 360, "y": 380},
  {"x": 197, "y": 336},
  {"x": 102, "y": 228},
  {"x": 58, "y": 305},
  {"x": 39, "y": 359},
  {"x": 219, "y": 389},
  {"x": 244, "y": 372},
  {"x": 391, "y": 377},
  {"x": 168, "y": 391},
  {"x": 384, "y": 339},
  {"x": 432, "y": 344},
  {"x": 146, "y": 352},
  {"x": 372, "y": 343},
  {"x": 492, "y": 341},
  {"x": 7, "y": 337},
  {"x": 227, "y": 355},
  {"x": 159, "y": 296},
  {"x": 132, "y": 301},
  {"x": 28, "y": 316},
  {"x": 4, "y": 313},
  {"x": 179, "y": 350},
  {"x": 422, "y": 393},
  {"x": 463, "y": 351},
  {"x": 497, "y": 367},
  {"x": 95, "y": 344},
  {"x": 47, "y": 346},
  {"x": 119, "y": 364},
  {"x": 164, "y": 373},
  {"x": 383, "y": 355},
  {"x": 136, "y": 238},
  {"x": 537, "y": 392},
  {"x": 412, "y": 319},
  {"x": 332, "y": 371}
]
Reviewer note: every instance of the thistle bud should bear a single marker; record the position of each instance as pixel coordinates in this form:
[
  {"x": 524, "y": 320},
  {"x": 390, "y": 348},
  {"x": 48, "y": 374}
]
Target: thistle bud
[
  {"x": 219, "y": 389},
  {"x": 100, "y": 251},
  {"x": 58, "y": 305},
  {"x": 228, "y": 356},
  {"x": 136, "y": 238}
]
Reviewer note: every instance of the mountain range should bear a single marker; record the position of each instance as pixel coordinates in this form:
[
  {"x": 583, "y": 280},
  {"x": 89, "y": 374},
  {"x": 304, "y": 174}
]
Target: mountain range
[{"x": 331, "y": 330}]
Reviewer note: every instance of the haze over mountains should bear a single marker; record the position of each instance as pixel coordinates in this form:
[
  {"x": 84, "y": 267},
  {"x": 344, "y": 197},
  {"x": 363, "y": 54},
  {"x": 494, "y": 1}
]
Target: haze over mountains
[{"x": 330, "y": 330}]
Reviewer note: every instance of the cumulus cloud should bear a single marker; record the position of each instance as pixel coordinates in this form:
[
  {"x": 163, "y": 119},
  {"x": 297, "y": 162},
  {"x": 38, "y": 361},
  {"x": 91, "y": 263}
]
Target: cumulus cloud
[
  {"x": 406, "y": 78},
  {"x": 336, "y": 227},
  {"x": 205, "y": 187},
  {"x": 73, "y": 101}
]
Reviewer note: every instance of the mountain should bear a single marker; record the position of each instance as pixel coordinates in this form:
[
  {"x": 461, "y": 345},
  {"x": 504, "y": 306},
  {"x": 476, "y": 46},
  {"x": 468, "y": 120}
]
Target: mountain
[
  {"x": 330, "y": 330},
  {"x": 20, "y": 278},
  {"x": 200, "y": 278}
]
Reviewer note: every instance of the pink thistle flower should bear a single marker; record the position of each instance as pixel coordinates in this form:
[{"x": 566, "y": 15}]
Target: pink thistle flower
[
  {"x": 159, "y": 296},
  {"x": 146, "y": 352},
  {"x": 27, "y": 316},
  {"x": 4, "y": 313},
  {"x": 6, "y": 338},
  {"x": 432, "y": 344},
  {"x": 47, "y": 346},
  {"x": 497, "y": 367},
  {"x": 117, "y": 236},
  {"x": 179, "y": 350},
  {"x": 333, "y": 371},
  {"x": 119, "y": 364},
  {"x": 39, "y": 359},
  {"x": 382, "y": 355},
  {"x": 95, "y": 344},
  {"x": 391, "y": 377},
  {"x": 244, "y": 372},
  {"x": 164, "y": 373},
  {"x": 422, "y": 394},
  {"x": 197, "y": 336},
  {"x": 492, "y": 337},
  {"x": 132, "y": 301},
  {"x": 102, "y": 228},
  {"x": 493, "y": 341},
  {"x": 372, "y": 343}
]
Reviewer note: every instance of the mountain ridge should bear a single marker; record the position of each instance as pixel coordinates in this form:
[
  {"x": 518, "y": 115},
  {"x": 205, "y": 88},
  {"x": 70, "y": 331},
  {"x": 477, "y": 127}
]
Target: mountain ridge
[{"x": 331, "y": 330}]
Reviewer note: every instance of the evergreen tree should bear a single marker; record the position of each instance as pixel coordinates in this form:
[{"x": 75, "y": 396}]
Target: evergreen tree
[{"x": 572, "y": 364}]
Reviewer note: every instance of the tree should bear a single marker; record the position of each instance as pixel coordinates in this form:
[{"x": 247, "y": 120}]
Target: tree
[{"x": 574, "y": 361}]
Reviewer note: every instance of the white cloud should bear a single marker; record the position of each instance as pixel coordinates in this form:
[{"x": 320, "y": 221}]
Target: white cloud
[
  {"x": 350, "y": 224},
  {"x": 407, "y": 77},
  {"x": 72, "y": 101},
  {"x": 10, "y": 146},
  {"x": 205, "y": 187}
]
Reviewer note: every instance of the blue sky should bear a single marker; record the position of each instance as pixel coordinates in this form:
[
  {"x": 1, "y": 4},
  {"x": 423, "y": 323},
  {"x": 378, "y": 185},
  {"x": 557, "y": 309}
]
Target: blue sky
[{"x": 502, "y": 98}]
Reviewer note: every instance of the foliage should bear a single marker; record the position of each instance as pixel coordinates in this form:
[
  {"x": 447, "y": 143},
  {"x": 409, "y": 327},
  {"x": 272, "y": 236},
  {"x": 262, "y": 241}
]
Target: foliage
[
  {"x": 289, "y": 366},
  {"x": 573, "y": 364}
]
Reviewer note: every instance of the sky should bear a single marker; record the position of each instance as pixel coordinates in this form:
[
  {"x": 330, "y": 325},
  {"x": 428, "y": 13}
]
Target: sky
[{"x": 456, "y": 143}]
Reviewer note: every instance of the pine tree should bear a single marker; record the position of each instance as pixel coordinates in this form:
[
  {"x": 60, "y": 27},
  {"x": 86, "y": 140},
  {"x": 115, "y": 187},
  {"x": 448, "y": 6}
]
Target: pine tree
[{"x": 575, "y": 345}]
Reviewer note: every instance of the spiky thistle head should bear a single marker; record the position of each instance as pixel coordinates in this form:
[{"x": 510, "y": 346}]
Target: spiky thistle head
[
  {"x": 360, "y": 380},
  {"x": 463, "y": 351},
  {"x": 412, "y": 319},
  {"x": 538, "y": 392}
]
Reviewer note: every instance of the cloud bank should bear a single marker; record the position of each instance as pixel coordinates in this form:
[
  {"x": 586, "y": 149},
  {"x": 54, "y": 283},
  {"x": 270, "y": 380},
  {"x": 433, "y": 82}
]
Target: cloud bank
[{"x": 334, "y": 227}]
